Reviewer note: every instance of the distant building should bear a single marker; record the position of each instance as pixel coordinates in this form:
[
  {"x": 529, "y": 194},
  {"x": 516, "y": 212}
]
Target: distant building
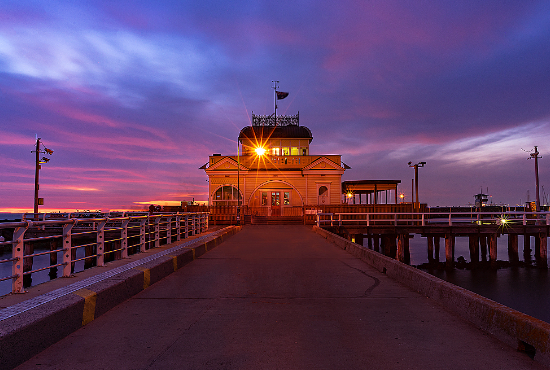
[{"x": 278, "y": 175}]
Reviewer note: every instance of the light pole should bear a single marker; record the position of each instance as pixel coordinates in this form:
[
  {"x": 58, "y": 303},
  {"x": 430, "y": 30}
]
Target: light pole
[
  {"x": 39, "y": 201},
  {"x": 238, "y": 185},
  {"x": 535, "y": 155},
  {"x": 419, "y": 164}
]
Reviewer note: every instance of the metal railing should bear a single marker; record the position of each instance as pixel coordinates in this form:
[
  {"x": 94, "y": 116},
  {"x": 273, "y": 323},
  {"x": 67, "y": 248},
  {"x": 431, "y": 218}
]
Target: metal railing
[
  {"x": 104, "y": 238},
  {"x": 432, "y": 219}
]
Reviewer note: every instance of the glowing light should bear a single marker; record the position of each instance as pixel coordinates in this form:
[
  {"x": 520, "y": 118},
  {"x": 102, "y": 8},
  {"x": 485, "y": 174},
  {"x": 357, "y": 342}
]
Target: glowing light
[
  {"x": 260, "y": 151},
  {"x": 349, "y": 194}
]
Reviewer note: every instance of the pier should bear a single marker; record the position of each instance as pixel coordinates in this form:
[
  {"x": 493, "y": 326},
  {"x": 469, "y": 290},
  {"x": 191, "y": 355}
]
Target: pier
[
  {"x": 389, "y": 233},
  {"x": 279, "y": 296}
]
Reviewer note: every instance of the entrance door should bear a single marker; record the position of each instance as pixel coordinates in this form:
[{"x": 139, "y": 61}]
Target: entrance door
[
  {"x": 275, "y": 203},
  {"x": 323, "y": 196}
]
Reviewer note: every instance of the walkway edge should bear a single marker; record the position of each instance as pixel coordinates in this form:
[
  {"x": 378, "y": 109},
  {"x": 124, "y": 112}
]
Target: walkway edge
[
  {"x": 30, "y": 332},
  {"x": 517, "y": 329}
]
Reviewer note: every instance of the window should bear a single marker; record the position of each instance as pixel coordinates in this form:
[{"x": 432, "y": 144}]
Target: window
[
  {"x": 264, "y": 198},
  {"x": 286, "y": 198},
  {"x": 276, "y": 151},
  {"x": 304, "y": 151},
  {"x": 285, "y": 151},
  {"x": 226, "y": 196},
  {"x": 294, "y": 151}
]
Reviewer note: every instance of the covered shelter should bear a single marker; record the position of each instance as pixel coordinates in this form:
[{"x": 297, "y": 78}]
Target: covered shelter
[{"x": 373, "y": 190}]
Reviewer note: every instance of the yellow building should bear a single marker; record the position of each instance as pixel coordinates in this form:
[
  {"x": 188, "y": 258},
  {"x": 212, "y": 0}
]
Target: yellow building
[{"x": 274, "y": 173}]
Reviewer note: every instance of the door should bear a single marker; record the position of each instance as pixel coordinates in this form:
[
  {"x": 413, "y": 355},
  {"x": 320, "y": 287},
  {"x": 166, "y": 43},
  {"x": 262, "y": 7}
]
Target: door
[
  {"x": 323, "y": 195},
  {"x": 275, "y": 203}
]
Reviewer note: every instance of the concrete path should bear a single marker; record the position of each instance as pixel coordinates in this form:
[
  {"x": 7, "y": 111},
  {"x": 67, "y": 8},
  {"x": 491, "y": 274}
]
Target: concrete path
[{"x": 278, "y": 297}]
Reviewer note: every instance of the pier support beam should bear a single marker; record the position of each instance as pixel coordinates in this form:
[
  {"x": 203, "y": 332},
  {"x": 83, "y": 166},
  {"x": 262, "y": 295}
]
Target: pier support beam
[
  {"x": 513, "y": 255},
  {"x": 473, "y": 243},
  {"x": 359, "y": 239},
  {"x": 493, "y": 249},
  {"x": 430, "y": 249},
  {"x": 449, "y": 251},
  {"x": 437, "y": 247},
  {"x": 403, "y": 251},
  {"x": 527, "y": 248},
  {"x": 541, "y": 241},
  {"x": 483, "y": 247}
]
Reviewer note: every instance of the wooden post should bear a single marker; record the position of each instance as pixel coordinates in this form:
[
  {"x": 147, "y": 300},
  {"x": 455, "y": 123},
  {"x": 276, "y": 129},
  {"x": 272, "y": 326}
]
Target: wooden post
[
  {"x": 430, "y": 249},
  {"x": 543, "y": 250},
  {"x": 527, "y": 248},
  {"x": 493, "y": 250},
  {"x": 359, "y": 239},
  {"x": 513, "y": 255},
  {"x": 449, "y": 253},
  {"x": 401, "y": 248},
  {"x": 369, "y": 241},
  {"x": 483, "y": 246},
  {"x": 376, "y": 242},
  {"x": 473, "y": 241},
  {"x": 436, "y": 248},
  {"x": 407, "y": 250}
]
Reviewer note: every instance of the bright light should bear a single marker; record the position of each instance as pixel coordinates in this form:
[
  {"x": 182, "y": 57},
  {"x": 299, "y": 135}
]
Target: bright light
[
  {"x": 402, "y": 196},
  {"x": 349, "y": 194},
  {"x": 260, "y": 151}
]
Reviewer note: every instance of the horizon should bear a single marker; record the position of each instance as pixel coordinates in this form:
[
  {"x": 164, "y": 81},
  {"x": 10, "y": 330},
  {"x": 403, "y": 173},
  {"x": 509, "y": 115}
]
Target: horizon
[{"x": 134, "y": 98}]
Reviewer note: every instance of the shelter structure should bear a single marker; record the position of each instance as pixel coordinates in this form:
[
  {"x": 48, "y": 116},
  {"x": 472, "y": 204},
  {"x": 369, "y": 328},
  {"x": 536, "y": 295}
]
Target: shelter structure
[
  {"x": 274, "y": 173},
  {"x": 372, "y": 189}
]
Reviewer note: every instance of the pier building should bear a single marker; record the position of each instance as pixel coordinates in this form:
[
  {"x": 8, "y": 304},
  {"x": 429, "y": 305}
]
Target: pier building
[{"x": 274, "y": 173}]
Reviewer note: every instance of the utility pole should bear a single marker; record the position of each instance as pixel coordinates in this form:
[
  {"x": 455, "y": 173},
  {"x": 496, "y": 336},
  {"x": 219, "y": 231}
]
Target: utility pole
[
  {"x": 535, "y": 155},
  {"x": 39, "y": 201}
]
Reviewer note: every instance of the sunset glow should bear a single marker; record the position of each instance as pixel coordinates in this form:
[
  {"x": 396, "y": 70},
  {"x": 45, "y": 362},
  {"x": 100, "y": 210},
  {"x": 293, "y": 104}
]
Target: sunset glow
[{"x": 134, "y": 97}]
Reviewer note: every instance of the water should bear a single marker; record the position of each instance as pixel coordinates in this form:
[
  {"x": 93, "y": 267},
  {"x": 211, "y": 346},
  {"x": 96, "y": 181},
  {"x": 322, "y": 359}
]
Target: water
[
  {"x": 38, "y": 262},
  {"x": 10, "y": 216},
  {"x": 525, "y": 289}
]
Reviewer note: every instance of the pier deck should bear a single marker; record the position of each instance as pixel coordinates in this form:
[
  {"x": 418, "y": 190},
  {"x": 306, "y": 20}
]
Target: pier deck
[{"x": 279, "y": 297}]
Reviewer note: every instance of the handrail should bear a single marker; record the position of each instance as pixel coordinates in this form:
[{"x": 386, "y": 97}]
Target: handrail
[
  {"x": 433, "y": 218},
  {"x": 146, "y": 231}
]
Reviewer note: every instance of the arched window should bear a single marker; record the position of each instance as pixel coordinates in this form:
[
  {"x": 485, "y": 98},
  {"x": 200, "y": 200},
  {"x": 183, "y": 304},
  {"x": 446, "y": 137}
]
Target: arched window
[
  {"x": 226, "y": 196},
  {"x": 323, "y": 190}
]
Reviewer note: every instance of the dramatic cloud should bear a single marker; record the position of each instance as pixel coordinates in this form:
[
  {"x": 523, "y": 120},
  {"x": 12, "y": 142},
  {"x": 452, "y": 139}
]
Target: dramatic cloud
[{"x": 133, "y": 96}]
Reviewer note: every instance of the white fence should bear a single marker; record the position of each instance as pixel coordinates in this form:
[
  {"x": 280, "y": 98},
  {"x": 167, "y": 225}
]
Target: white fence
[{"x": 144, "y": 231}]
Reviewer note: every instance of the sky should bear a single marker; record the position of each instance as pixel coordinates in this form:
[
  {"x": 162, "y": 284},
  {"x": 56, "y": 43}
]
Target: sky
[{"x": 133, "y": 96}]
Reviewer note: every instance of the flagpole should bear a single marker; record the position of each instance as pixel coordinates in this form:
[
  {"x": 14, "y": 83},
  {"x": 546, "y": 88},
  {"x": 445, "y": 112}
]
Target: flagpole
[{"x": 275, "y": 98}]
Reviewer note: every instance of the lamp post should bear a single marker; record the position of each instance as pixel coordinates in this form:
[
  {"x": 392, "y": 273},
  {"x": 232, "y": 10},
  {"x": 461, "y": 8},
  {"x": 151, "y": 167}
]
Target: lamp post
[
  {"x": 419, "y": 164},
  {"x": 39, "y": 201},
  {"x": 535, "y": 156},
  {"x": 238, "y": 185}
]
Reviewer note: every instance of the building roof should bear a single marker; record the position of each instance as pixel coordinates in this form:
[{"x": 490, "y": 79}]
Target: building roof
[
  {"x": 368, "y": 186},
  {"x": 277, "y": 132}
]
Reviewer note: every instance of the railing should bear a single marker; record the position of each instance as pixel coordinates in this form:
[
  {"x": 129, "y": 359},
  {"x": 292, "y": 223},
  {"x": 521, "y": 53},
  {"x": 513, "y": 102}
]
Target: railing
[
  {"x": 427, "y": 219},
  {"x": 103, "y": 238}
]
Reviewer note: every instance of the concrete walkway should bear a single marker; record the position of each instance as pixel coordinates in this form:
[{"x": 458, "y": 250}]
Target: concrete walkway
[{"x": 278, "y": 297}]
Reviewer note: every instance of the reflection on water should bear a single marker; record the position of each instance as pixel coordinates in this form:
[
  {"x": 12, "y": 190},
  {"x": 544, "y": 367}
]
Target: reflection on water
[{"x": 525, "y": 289}]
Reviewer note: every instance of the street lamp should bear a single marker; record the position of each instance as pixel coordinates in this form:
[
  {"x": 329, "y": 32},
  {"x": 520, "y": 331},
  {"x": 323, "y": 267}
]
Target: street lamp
[
  {"x": 419, "y": 164},
  {"x": 38, "y": 151}
]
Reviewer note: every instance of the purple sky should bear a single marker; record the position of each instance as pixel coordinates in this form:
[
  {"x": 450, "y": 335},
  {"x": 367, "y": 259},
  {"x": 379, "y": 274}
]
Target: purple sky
[{"x": 134, "y": 96}]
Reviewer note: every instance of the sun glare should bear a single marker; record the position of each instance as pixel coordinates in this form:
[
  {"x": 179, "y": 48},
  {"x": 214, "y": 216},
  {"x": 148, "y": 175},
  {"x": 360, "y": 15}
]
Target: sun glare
[{"x": 260, "y": 151}]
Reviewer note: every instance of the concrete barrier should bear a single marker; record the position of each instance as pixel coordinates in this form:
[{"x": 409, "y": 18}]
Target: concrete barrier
[
  {"x": 29, "y": 330},
  {"x": 517, "y": 329}
]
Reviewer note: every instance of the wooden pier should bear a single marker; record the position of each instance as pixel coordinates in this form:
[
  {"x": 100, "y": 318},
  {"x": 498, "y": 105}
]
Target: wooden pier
[{"x": 390, "y": 233}]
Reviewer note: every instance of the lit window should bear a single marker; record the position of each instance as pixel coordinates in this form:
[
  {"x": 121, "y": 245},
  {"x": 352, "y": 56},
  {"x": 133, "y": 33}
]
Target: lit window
[
  {"x": 285, "y": 151},
  {"x": 294, "y": 151},
  {"x": 286, "y": 199},
  {"x": 276, "y": 151},
  {"x": 264, "y": 198},
  {"x": 304, "y": 151}
]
